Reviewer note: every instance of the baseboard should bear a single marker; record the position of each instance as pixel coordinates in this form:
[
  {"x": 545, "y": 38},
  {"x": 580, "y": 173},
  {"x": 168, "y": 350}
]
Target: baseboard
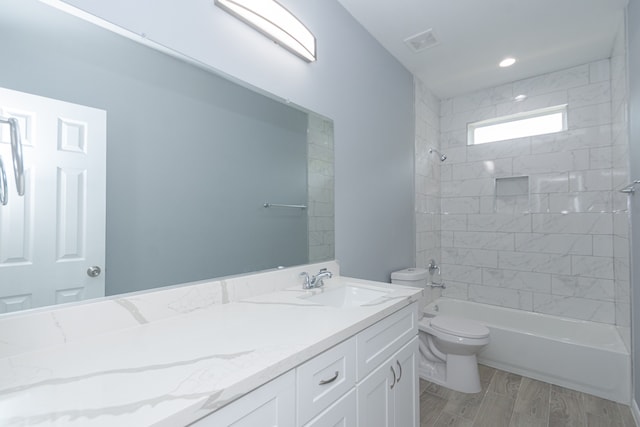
[{"x": 635, "y": 411}]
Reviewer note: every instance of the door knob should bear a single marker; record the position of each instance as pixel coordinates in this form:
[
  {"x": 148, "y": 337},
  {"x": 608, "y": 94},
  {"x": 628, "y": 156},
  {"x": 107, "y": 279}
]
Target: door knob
[{"x": 94, "y": 271}]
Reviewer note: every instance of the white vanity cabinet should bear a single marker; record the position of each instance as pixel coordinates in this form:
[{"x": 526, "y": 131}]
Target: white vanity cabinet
[
  {"x": 271, "y": 405},
  {"x": 388, "y": 397},
  {"x": 368, "y": 380},
  {"x": 387, "y": 391}
]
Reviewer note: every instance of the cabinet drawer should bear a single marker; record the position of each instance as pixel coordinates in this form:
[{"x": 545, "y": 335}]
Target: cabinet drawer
[
  {"x": 323, "y": 379},
  {"x": 378, "y": 342}
]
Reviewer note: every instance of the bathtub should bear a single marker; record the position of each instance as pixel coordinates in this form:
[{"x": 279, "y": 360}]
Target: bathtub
[{"x": 580, "y": 355}]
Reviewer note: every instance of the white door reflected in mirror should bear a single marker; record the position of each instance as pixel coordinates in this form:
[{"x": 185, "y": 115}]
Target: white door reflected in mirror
[{"x": 52, "y": 234}]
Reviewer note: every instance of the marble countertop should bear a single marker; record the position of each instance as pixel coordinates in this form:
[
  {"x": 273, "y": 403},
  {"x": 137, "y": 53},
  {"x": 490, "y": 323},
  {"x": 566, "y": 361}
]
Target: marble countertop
[{"x": 179, "y": 369}]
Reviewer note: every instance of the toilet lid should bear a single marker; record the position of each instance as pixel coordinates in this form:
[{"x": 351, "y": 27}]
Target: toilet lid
[{"x": 461, "y": 327}]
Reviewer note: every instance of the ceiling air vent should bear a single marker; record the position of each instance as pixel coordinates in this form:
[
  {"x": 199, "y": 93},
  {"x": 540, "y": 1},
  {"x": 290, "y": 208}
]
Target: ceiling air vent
[{"x": 421, "y": 41}]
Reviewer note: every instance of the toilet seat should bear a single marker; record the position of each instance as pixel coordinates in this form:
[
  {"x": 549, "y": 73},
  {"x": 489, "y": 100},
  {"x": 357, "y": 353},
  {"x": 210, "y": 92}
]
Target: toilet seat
[{"x": 459, "y": 327}]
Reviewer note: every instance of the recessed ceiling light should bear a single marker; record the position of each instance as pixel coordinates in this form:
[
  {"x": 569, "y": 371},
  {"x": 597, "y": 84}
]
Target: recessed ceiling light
[
  {"x": 507, "y": 62},
  {"x": 520, "y": 97}
]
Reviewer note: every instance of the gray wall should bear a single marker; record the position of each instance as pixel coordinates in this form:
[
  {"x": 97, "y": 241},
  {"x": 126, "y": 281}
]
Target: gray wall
[
  {"x": 191, "y": 157},
  {"x": 633, "y": 28},
  {"x": 367, "y": 93}
]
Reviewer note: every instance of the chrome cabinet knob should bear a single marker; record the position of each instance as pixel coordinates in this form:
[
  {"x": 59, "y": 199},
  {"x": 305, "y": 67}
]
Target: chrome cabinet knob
[{"x": 94, "y": 271}]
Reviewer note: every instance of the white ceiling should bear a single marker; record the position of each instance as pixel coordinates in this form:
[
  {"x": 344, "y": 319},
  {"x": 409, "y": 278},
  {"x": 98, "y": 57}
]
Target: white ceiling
[{"x": 474, "y": 35}]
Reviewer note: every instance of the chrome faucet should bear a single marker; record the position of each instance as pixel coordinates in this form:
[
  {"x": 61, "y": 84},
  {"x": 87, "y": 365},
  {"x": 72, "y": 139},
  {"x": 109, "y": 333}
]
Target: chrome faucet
[
  {"x": 433, "y": 267},
  {"x": 317, "y": 281}
]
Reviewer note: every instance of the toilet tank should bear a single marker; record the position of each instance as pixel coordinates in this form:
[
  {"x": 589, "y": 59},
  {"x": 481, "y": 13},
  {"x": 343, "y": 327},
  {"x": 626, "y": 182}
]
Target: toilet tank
[{"x": 416, "y": 277}]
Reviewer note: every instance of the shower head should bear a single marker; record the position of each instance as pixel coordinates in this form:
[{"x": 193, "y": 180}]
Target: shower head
[{"x": 443, "y": 157}]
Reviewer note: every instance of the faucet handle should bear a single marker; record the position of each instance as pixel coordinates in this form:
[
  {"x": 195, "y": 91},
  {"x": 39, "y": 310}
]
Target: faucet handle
[
  {"x": 307, "y": 279},
  {"x": 433, "y": 267}
]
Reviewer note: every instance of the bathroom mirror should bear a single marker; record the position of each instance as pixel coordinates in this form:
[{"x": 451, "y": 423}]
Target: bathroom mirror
[{"x": 191, "y": 161}]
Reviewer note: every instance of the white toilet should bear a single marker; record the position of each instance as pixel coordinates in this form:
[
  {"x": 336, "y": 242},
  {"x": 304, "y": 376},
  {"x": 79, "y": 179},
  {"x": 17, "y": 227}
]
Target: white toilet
[{"x": 448, "y": 344}]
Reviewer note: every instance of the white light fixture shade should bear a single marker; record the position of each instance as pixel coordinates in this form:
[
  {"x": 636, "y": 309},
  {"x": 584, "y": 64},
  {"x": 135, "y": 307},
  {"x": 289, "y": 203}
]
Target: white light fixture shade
[{"x": 273, "y": 20}]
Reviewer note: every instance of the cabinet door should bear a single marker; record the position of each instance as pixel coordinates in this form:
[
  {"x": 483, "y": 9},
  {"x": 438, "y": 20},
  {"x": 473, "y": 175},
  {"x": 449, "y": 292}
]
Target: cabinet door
[
  {"x": 341, "y": 414},
  {"x": 272, "y": 405},
  {"x": 406, "y": 409},
  {"x": 375, "y": 398}
]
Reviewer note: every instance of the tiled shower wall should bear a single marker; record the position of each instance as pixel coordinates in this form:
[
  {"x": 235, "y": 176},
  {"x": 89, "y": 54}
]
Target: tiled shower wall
[
  {"x": 320, "y": 191},
  {"x": 427, "y": 177},
  {"x": 554, "y": 254}
]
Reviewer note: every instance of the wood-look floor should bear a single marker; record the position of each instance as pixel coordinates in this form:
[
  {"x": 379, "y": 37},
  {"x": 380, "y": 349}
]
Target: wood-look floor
[{"x": 510, "y": 400}]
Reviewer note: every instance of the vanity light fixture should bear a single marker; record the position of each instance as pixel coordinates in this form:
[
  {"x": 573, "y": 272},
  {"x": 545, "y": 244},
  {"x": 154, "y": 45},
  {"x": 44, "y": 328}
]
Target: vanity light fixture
[
  {"x": 507, "y": 62},
  {"x": 274, "y": 21}
]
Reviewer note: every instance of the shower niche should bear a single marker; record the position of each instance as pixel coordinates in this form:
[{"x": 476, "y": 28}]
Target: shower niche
[{"x": 511, "y": 195}]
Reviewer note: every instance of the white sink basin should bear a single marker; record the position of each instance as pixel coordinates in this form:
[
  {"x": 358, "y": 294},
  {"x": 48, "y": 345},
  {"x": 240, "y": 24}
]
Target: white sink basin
[{"x": 346, "y": 296}]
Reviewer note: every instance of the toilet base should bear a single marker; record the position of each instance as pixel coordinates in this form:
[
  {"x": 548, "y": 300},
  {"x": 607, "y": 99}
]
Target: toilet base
[{"x": 459, "y": 373}]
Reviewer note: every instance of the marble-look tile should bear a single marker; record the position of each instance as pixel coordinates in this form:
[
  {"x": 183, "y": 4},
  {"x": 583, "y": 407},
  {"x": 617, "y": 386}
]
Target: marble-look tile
[
  {"x": 580, "y": 223},
  {"x": 590, "y": 115},
  {"x": 575, "y": 139},
  {"x": 470, "y": 257},
  {"x": 459, "y": 121},
  {"x": 538, "y": 203},
  {"x": 584, "y": 287},
  {"x": 483, "y": 169},
  {"x": 543, "y": 163},
  {"x": 555, "y": 182},
  {"x": 484, "y": 240},
  {"x": 456, "y": 155},
  {"x": 595, "y": 93},
  {"x": 457, "y": 290},
  {"x": 499, "y": 150},
  {"x": 460, "y": 205},
  {"x": 591, "y": 180},
  {"x": 581, "y": 202},
  {"x": 522, "y": 280},
  {"x": 453, "y": 222},
  {"x": 601, "y": 158},
  {"x": 512, "y": 205},
  {"x": 446, "y": 238},
  {"x": 503, "y": 297},
  {"x": 555, "y": 81},
  {"x": 623, "y": 314},
  {"x": 499, "y": 222},
  {"x": 532, "y": 103},
  {"x": 591, "y": 266},
  {"x": 468, "y": 187},
  {"x": 536, "y": 262},
  {"x": 482, "y": 98},
  {"x": 574, "y": 307},
  {"x": 461, "y": 273},
  {"x": 554, "y": 243},
  {"x": 603, "y": 245},
  {"x": 453, "y": 139}
]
